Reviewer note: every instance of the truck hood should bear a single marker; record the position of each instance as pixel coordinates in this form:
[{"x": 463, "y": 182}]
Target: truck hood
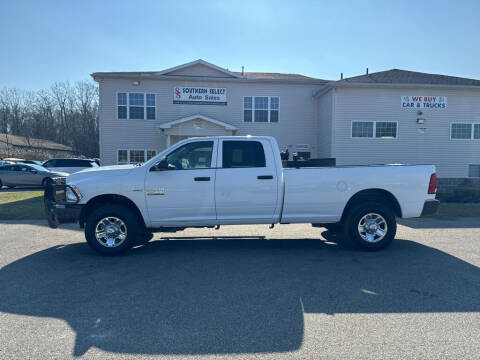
[{"x": 114, "y": 170}]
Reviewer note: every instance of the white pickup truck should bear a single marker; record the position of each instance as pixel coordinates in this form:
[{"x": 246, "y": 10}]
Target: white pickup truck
[{"x": 213, "y": 181}]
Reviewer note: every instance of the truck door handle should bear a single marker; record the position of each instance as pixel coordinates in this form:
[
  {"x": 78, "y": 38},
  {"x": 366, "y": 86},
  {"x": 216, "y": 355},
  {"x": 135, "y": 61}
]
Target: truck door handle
[
  {"x": 265, "y": 177},
  {"x": 202, "y": 178}
]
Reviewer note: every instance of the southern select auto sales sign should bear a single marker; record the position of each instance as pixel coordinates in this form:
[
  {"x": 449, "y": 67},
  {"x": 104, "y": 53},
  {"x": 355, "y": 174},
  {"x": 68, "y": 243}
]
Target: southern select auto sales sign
[
  {"x": 199, "y": 95},
  {"x": 423, "y": 102}
]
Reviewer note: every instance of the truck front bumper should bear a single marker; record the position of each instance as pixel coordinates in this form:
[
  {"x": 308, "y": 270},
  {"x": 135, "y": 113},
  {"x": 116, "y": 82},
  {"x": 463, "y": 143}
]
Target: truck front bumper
[
  {"x": 57, "y": 210},
  {"x": 430, "y": 207}
]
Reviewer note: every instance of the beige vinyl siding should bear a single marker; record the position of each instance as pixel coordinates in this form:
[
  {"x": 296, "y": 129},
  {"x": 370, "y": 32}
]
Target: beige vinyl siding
[
  {"x": 325, "y": 113},
  {"x": 451, "y": 157},
  {"x": 297, "y": 119}
]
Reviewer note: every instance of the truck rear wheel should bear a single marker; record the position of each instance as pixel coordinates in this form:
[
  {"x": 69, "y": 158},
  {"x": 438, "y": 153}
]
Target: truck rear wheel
[
  {"x": 370, "y": 226},
  {"x": 112, "y": 229}
]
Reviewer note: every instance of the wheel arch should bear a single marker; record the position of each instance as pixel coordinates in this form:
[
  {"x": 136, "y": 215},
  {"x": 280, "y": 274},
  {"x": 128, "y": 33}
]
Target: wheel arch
[
  {"x": 44, "y": 180},
  {"x": 99, "y": 200},
  {"x": 374, "y": 194}
]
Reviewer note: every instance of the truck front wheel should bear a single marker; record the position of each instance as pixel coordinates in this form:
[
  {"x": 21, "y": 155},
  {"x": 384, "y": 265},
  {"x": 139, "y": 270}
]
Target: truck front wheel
[
  {"x": 112, "y": 229},
  {"x": 370, "y": 225}
]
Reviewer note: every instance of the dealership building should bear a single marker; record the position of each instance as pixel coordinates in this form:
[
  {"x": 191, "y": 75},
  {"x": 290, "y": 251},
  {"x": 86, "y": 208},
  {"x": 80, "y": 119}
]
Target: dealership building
[{"x": 393, "y": 116}]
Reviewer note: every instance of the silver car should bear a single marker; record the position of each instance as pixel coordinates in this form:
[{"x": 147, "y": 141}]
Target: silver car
[
  {"x": 12, "y": 175},
  {"x": 69, "y": 165}
]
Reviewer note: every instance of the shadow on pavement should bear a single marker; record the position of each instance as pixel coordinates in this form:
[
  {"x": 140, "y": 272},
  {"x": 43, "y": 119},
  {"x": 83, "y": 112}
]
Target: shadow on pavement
[
  {"x": 228, "y": 295},
  {"x": 441, "y": 223}
]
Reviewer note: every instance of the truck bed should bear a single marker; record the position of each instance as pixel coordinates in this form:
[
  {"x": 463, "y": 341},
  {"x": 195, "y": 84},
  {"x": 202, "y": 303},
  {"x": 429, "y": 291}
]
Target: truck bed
[{"x": 321, "y": 193}]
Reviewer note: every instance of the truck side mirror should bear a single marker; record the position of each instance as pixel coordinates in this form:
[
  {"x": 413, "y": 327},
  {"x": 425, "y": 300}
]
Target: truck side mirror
[{"x": 161, "y": 166}]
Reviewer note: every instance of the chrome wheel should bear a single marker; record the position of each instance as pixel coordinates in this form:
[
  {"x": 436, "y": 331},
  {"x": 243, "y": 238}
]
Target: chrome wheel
[
  {"x": 372, "y": 227},
  {"x": 111, "y": 232}
]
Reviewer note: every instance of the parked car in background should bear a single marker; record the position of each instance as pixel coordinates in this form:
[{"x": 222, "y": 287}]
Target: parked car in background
[
  {"x": 4, "y": 162},
  {"x": 34, "y": 162},
  {"x": 13, "y": 160},
  {"x": 69, "y": 165},
  {"x": 23, "y": 161},
  {"x": 12, "y": 175}
]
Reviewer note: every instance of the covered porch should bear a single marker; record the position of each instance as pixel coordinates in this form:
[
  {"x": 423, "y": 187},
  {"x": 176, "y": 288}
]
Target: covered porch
[{"x": 195, "y": 126}]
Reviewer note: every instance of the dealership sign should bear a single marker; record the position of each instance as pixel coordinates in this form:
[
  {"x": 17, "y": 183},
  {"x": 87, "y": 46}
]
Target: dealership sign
[
  {"x": 199, "y": 95},
  {"x": 423, "y": 102}
]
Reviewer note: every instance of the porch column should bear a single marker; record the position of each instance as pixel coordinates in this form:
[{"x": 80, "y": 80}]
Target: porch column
[{"x": 168, "y": 141}]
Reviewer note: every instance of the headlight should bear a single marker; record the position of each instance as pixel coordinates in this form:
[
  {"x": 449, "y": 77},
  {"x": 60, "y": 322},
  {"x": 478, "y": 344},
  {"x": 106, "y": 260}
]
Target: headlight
[{"x": 72, "y": 194}]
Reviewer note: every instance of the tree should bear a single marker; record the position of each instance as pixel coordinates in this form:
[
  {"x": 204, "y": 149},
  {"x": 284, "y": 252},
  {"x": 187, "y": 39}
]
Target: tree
[{"x": 64, "y": 113}]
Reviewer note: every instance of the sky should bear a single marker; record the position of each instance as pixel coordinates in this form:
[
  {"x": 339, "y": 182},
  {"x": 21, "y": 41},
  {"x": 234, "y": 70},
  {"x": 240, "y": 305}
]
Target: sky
[{"x": 49, "y": 41}]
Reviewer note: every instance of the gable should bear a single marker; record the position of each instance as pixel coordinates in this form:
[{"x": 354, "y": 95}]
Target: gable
[{"x": 198, "y": 70}]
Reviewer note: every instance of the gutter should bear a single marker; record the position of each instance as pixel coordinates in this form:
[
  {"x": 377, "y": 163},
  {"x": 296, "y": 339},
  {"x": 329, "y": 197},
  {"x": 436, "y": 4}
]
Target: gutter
[
  {"x": 335, "y": 85},
  {"x": 98, "y": 77}
]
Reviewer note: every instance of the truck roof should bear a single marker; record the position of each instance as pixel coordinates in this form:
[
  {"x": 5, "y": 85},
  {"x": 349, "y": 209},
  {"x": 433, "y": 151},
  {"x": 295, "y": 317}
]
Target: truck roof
[{"x": 236, "y": 137}]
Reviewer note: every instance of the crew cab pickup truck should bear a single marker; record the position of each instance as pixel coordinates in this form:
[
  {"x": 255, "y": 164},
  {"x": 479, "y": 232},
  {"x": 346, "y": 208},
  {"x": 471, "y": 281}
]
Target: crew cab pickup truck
[{"x": 213, "y": 181}]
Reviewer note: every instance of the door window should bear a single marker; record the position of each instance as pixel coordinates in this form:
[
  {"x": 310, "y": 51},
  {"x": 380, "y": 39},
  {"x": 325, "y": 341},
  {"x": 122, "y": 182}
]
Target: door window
[
  {"x": 243, "y": 154},
  {"x": 194, "y": 155},
  {"x": 22, "y": 168}
]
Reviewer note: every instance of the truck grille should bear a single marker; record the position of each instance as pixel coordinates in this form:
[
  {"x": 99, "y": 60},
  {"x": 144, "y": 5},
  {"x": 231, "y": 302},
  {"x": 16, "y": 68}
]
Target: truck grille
[{"x": 55, "y": 192}]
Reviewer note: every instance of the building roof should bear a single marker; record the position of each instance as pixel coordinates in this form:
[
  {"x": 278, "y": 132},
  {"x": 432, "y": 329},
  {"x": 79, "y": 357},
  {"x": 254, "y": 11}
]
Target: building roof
[
  {"x": 282, "y": 76},
  {"x": 397, "y": 76},
  {"x": 224, "y": 74}
]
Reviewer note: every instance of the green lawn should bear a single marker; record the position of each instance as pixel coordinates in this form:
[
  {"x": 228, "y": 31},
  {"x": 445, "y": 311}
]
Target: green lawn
[
  {"x": 28, "y": 205},
  {"x": 24, "y": 205}
]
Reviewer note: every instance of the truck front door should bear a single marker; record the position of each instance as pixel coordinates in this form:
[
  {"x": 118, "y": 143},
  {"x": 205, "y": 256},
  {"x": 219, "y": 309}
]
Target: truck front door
[
  {"x": 246, "y": 188},
  {"x": 184, "y": 193}
]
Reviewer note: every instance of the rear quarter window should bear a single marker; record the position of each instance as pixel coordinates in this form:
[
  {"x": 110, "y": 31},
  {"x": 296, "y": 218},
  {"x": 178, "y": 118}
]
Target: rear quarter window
[{"x": 50, "y": 163}]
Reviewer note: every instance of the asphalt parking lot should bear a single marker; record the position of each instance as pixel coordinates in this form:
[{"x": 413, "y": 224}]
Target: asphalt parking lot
[{"x": 242, "y": 292}]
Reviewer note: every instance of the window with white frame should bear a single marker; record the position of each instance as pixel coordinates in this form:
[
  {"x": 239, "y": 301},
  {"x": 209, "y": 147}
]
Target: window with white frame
[
  {"x": 136, "y": 106},
  {"x": 150, "y": 154},
  {"x": 374, "y": 129},
  {"x": 385, "y": 129},
  {"x": 122, "y": 157},
  {"x": 465, "y": 131},
  {"x": 134, "y": 156},
  {"x": 261, "y": 109}
]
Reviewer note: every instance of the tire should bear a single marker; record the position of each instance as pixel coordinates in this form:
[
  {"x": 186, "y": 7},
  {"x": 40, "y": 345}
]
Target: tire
[
  {"x": 1, "y": 184},
  {"x": 46, "y": 181},
  {"x": 10, "y": 186},
  {"x": 334, "y": 228},
  {"x": 113, "y": 219},
  {"x": 364, "y": 223}
]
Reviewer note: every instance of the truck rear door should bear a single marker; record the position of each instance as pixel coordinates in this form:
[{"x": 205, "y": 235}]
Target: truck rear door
[{"x": 246, "y": 186}]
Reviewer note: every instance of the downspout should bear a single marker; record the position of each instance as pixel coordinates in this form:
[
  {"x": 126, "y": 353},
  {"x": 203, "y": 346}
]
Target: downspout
[{"x": 333, "y": 121}]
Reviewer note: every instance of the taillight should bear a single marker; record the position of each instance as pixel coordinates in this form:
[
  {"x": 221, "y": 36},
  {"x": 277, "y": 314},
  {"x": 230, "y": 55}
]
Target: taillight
[{"x": 432, "y": 186}]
